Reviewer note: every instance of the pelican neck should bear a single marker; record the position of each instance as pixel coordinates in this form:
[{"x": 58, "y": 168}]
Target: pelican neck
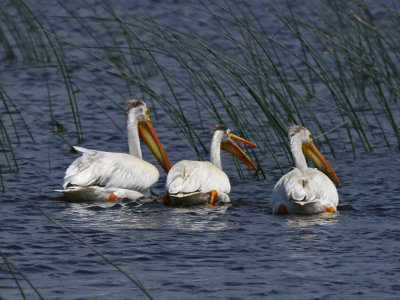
[
  {"x": 298, "y": 156},
  {"x": 215, "y": 151},
  {"x": 133, "y": 138}
]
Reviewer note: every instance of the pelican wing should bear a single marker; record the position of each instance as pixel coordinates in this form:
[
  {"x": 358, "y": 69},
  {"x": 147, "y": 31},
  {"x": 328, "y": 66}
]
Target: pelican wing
[
  {"x": 111, "y": 170},
  {"x": 290, "y": 186},
  {"x": 299, "y": 188},
  {"x": 319, "y": 187},
  {"x": 196, "y": 176}
]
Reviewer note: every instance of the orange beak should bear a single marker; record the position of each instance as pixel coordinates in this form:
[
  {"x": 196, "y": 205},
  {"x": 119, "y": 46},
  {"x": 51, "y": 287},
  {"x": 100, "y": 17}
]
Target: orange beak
[
  {"x": 319, "y": 161},
  {"x": 148, "y": 135},
  {"x": 233, "y": 148}
]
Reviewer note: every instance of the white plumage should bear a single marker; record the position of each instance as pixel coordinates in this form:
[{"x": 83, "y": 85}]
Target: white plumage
[
  {"x": 188, "y": 176},
  {"x": 310, "y": 192},
  {"x": 194, "y": 182},
  {"x": 305, "y": 190},
  {"x": 95, "y": 193},
  {"x": 102, "y": 176},
  {"x": 111, "y": 170}
]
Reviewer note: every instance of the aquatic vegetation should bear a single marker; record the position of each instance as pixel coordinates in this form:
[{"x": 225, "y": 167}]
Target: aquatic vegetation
[
  {"x": 17, "y": 274},
  {"x": 335, "y": 72},
  {"x": 131, "y": 278}
]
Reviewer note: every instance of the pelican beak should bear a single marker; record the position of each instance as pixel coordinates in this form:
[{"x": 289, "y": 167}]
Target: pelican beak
[
  {"x": 319, "y": 161},
  {"x": 148, "y": 135},
  {"x": 231, "y": 147}
]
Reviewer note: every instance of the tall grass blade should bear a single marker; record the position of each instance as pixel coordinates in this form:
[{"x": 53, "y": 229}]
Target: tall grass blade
[
  {"x": 12, "y": 266},
  {"x": 135, "y": 281}
]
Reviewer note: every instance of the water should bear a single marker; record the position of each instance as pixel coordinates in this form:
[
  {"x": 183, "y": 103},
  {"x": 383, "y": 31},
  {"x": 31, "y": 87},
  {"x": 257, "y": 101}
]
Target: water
[{"x": 236, "y": 251}]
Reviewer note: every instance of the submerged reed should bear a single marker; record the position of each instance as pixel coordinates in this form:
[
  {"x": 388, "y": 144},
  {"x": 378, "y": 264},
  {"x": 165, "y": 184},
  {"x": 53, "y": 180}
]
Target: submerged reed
[
  {"x": 15, "y": 272},
  {"x": 135, "y": 281}
]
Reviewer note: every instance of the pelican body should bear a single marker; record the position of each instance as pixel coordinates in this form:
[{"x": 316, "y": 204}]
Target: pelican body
[
  {"x": 105, "y": 176},
  {"x": 306, "y": 190},
  {"x": 202, "y": 182}
]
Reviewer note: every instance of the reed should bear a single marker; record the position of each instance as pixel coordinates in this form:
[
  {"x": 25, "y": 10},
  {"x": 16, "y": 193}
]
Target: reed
[
  {"x": 19, "y": 34},
  {"x": 333, "y": 70},
  {"x": 15, "y": 272},
  {"x": 354, "y": 71},
  {"x": 339, "y": 68},
  {"x": 131, "y": 278}
]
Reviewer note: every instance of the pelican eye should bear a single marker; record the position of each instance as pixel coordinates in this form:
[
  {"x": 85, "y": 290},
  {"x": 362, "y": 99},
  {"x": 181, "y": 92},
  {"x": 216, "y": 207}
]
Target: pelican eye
[
  {"x": 309, "y": 135},
  {"x": 229, "y": 132}
]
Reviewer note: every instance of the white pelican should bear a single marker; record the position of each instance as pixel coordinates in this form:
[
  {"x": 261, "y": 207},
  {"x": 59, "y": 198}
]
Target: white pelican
[
  {"x": 198, "y": 182},
  {"x": 305, "y": 190},
  {"x": 105, "y": 176}
]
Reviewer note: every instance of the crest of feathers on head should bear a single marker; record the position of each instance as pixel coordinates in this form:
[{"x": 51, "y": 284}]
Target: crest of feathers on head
[
  {"x": 131, "y": 104},
  {"x": 294, "y": 130},
  {"x": 218, "y": 127}
]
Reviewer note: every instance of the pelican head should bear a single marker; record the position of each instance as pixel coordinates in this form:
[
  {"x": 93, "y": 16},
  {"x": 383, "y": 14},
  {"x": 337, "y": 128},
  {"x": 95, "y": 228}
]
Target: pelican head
[
  {"x": 136, "y": 112},
  {"x": 299, "y": 135},
  {"x": 226, "y": 137}
]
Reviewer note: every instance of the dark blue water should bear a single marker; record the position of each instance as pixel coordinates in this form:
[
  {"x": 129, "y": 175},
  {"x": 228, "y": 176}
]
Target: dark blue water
[{"x": 235, "y": 251}]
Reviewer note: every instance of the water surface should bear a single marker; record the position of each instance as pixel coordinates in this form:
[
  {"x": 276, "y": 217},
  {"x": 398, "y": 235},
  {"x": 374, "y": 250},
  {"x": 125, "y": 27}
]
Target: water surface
[{"x": 235, "y": 251}]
